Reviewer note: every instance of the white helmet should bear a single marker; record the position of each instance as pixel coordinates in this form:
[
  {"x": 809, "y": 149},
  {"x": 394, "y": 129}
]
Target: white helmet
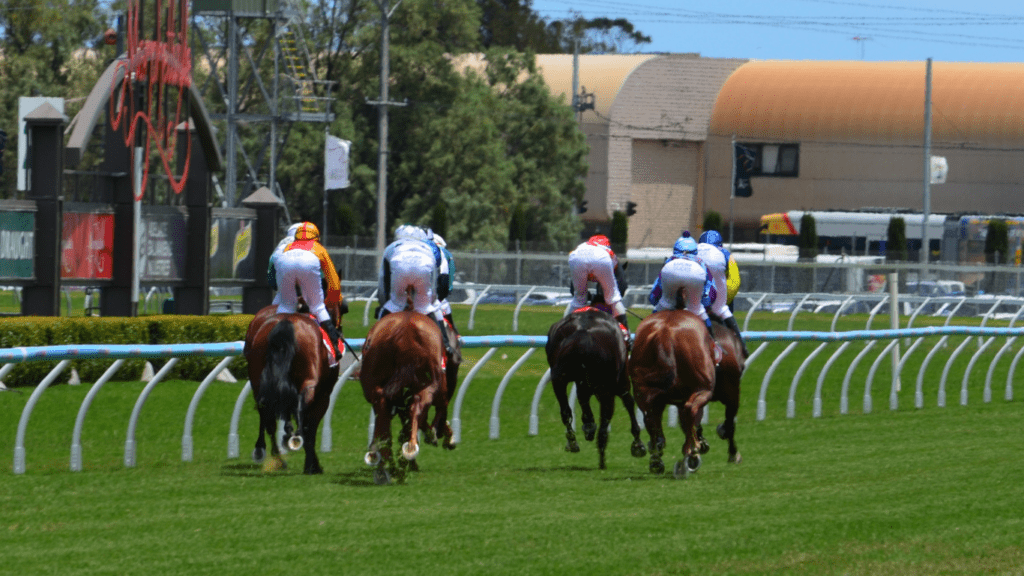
[
  {"x": 439, "y": 241},
  {"x": 292, "y": 229},
  {"x": 410, "y": 232}
]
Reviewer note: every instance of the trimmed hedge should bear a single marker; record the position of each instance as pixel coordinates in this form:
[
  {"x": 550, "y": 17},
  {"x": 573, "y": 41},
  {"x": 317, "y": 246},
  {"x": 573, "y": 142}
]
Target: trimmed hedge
[{"x": 170, "y": 329}]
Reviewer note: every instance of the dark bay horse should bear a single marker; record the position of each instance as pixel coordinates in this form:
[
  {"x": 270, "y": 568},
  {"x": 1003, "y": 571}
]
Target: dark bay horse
[
  {"x": 672, "y": 364},
  {"x": 588, "y": 348},
  {"x": 403, "y": 372},
  {"x": 291, "y": 380},
  {"x": 727, "y": 385}
]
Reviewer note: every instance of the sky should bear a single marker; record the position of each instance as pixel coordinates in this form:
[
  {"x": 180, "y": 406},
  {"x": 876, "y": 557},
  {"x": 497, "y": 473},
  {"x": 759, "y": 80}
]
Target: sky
[{"x": 914, "y": 30}]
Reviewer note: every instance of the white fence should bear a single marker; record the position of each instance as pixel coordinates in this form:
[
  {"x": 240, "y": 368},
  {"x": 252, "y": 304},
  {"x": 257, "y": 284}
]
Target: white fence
[{"x": 228, "y": 350}]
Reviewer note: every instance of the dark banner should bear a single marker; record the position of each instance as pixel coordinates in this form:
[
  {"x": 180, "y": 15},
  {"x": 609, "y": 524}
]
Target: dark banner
[
  {"x": 17, "y": 244},
  {"x": 87, "y": 246},
  {"x": 162, "y": 246},
  {"x": 232, "y": 254}
]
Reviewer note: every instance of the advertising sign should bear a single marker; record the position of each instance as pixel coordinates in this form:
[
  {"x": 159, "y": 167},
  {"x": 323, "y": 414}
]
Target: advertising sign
[
  {"x": 17, "y": 244},
  {"x": 231, "y": 249},
  {"x": 87, "y": 246},
  {"x": 162, "y": 246}
]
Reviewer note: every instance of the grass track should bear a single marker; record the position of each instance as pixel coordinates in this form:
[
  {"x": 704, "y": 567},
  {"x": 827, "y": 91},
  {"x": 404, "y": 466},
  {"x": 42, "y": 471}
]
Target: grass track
[{"x": 932, "y": 491}]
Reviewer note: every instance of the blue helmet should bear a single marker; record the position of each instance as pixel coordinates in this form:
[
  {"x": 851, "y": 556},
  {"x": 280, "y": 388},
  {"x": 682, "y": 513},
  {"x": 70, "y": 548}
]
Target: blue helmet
[
  {"x": 711, "y": 237},
  {"x": 685, "y": 245}
]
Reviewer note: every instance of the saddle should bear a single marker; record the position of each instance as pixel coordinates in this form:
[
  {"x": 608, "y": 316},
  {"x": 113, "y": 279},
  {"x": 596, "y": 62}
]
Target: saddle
[{"x": 602, "y": 308}]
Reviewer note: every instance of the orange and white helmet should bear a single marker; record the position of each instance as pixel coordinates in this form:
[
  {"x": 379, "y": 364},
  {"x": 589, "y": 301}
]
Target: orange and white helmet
[{"x": 307, "y": 231}]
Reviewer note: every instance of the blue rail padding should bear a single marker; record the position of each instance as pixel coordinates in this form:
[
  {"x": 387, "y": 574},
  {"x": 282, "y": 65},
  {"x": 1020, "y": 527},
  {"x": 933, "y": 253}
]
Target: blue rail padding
[
  {"x": 117, "y": 351},
  {"x": 786, "y": 336}
]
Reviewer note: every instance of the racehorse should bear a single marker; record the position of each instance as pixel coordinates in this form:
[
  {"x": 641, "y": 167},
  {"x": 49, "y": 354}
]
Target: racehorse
[
  {"x": 403, "y": 371},
  {"x": 672, "y": 364},
  {"x": 291, "y": 377},
  {"x": 727, "y": 386},
  {"x": 587, "y": 347}
]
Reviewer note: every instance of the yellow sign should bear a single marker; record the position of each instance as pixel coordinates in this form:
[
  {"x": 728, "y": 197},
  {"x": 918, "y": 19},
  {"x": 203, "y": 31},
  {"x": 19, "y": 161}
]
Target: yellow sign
[
  {"x": 243, "y": 245},
  {"x": 214, "y": 237}
]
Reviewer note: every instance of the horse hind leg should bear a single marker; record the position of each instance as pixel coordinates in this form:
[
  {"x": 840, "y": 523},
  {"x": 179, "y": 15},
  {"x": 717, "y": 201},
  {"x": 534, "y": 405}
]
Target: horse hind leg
[
  {"x": 607, "y": 410},
  {"x": 586, "y": 414},
  {"x": 727, "y": 431},
  {"x": 637, "y": 448},
  {"x": 566, "y": 412}
]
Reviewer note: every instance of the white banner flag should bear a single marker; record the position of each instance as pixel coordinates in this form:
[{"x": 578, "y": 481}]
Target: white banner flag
[
  {"x": 939, "y": 169},
  {"x": 336, "y": 163}
]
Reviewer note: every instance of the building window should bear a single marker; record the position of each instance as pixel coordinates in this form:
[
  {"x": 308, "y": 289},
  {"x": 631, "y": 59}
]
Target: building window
[{"x": 776, "y": 160}]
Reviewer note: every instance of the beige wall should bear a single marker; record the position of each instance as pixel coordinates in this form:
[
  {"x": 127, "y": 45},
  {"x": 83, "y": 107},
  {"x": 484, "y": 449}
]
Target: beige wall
[
  {"x": 849, "y": 176},
  {"x": 664, "y": 180}
]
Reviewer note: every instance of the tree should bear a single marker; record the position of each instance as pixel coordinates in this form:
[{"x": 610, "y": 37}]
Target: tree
[
  {"x": 896, "y": 240},
  {"x": 997, "y": 241},
  {"x": 514, "y": 24},
  {"x": 46, "y": 49},
  {"x": 808, "y": 240},
  {"x": 712, "y": 221}
]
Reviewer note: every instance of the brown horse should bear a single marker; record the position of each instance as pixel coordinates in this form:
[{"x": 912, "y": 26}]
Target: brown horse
[
  {"x": 727, "y": 386},
  {"x": 291, "y": 379},
  {"x": 403, "y": 371},
  {"x": 672, "y": 364},
  {"x": 588, "y": 348}
]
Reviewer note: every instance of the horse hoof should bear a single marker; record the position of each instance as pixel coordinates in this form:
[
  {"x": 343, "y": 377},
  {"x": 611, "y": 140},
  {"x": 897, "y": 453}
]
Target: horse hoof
[
  {"x": 588, "y": 432},
  {"x": 693, "y": 462},
  {"x": 638, "y": 450},
  {"x": 735, "y": 458},
  {"x": 704, "y": 447},
  {"x": 372, "y": 458},
  {"x": 657, "y": 467},
  {"x": 410, "y": 451},
  {"x": 295, "y": 443},
  {"x": 721, "y": 432},
  {"x": 448, "y": 444},
  {"x": 681, "y": 470},
  {"x": 572, "y": 447},
  {"x": 258, "y": 454},
  {"x": 381, "y": 476}
]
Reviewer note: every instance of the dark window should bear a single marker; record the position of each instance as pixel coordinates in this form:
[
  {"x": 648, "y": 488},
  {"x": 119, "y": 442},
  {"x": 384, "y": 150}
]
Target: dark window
[{"x": 776, "y": 160}]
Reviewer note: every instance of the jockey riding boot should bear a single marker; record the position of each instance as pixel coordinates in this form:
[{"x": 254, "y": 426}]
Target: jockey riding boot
[
  {"x": 444, "y": 336},
  {"x": 451, "y": 321},
  {"x": 731, "y": 324},
  {"x": 333, "y": 334},
  {"x": 625, "y": 322},
  {"x": 711, "y": 329}
]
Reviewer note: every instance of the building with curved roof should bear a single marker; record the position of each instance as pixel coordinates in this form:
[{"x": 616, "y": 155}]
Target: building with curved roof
[{"x": 824, "y": 135}]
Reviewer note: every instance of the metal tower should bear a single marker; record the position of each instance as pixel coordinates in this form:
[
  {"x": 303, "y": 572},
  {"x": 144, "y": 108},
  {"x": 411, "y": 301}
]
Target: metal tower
[{"x": 256, "y": 78}]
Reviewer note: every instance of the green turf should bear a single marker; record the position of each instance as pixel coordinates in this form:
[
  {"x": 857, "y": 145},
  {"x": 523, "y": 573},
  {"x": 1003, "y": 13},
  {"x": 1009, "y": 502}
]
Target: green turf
[{"x": 930, "y": 491}]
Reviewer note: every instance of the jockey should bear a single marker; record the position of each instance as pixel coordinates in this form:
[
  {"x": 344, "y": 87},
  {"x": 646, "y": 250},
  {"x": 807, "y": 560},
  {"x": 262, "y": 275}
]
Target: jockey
[
  {"x": 595, "y": 260},
  {"x": 684, "y": 270},
  {"x": 413, "y": 259},
  {"x": 717, "y": 258},
  {"x": 289, "y": 237},
  {"x": 305, "y": 265},
  {"x": 445, "y": 280}
]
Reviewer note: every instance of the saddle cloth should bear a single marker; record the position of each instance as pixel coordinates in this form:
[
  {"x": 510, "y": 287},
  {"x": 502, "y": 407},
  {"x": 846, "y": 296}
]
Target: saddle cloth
[{"x": 327, "y": 344}]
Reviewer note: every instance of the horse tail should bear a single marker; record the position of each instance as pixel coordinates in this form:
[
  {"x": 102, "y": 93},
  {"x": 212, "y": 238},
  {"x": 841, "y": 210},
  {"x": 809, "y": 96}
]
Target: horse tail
[
  {"x": 410, "y": 295},
  {"x": 276, "y": 390}
]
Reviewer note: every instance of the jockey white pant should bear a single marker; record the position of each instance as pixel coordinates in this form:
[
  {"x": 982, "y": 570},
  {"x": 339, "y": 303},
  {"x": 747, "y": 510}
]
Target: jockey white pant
[
  {"x": 588, "y": 263},
  {"x": 301, "y": 269},
  {"x": 714, "y": 259},
  {"x": 685, "y": 274},
  {"x": 416, "y": 268},
  {"x": 445, "y": 307}
]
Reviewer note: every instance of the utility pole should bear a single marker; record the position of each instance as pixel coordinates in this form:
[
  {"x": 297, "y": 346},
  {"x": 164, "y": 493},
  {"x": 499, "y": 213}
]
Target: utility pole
[
  {"x": 927, "y": 165},
  {"x": 382, "y": 120}
]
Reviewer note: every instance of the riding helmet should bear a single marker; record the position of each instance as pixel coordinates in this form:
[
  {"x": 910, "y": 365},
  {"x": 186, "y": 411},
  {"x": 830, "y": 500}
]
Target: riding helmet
[
  {"x": 599, "y": 240},
  {"x": 711, "y": 237},
  {"x": 684, "y": 245},
  {"x": 411, "y": 232},
  {"x": 307, "y": 231}
]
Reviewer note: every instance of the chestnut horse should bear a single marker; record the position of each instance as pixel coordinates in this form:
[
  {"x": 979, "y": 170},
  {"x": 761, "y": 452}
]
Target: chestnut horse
[
  {"x": 403, "y": 371},
  {"x": 587, "y": 347},
  {"x": 727, "y": 386},
  {"x": 672, "y": 364},
  {"x": 291, "y": 379}
]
